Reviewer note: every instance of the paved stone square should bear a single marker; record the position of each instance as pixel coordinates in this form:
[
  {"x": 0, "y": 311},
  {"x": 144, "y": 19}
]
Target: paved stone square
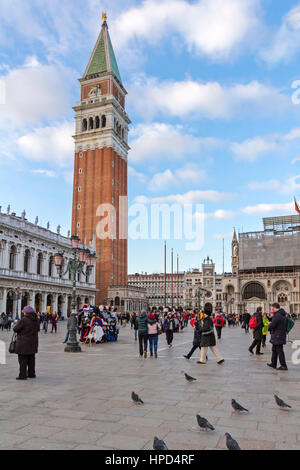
[{"x": 82, "y": 401}]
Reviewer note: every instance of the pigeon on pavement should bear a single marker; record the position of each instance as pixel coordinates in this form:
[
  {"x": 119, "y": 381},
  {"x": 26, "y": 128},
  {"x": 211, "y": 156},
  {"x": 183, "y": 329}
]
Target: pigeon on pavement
[
  {"x": 159, "y": 444},
  {"x": 136, "y": 398},
  {"x": 281, "y": 403},
  {"x": 189, "y": 378},
  {"x": 204, "y": 424},
  {"x": 231, "y": 443},
  {"x": 237, "y": 407}
]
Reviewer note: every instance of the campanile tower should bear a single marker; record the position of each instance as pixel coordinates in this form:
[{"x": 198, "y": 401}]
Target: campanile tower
[{"x": 100, "y": 171}]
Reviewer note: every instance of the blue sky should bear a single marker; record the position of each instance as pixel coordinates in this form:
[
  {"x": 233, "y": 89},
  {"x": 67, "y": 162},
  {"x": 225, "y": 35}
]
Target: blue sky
[{"x": 210, "y": 98}]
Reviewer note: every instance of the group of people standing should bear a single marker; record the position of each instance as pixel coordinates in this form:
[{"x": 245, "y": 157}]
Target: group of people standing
[{"x": 277, "y": 323}]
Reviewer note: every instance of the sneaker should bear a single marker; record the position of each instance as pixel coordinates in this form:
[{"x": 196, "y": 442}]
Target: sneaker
[
  {"x": 271, "y": 365},
  {"x": 282, "y": 368},
  {"x": 170, "y": 345}
]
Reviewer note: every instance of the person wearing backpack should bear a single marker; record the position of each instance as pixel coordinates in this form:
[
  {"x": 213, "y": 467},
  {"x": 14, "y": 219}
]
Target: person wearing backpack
[
  {"x": 219, "y": 323},
  {"x": 256, "y": 325},
  {"x": 278, "y": 330}
]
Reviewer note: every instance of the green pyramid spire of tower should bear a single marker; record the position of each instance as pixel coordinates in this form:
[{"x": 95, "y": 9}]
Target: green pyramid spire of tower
[{"x": 103, "y": 58}]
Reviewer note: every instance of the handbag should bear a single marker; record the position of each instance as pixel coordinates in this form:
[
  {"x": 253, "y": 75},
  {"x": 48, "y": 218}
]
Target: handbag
[{"x": 13, "y": 344}]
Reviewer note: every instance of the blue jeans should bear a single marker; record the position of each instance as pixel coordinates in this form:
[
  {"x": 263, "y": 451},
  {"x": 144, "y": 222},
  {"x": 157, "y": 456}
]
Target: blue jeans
[
  {"x": 67, "y": 337},
  {"x": 135, "y": 334},
  {"x": 153, "y": 340}
]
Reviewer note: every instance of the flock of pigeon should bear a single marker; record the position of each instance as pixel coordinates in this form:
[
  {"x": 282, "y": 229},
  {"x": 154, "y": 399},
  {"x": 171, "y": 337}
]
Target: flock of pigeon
[{"x": 203, "y": 423}]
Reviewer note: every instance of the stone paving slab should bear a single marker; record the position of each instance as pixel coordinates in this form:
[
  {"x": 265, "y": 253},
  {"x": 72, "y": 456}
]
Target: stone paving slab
[{"x": 82, "y": 401}]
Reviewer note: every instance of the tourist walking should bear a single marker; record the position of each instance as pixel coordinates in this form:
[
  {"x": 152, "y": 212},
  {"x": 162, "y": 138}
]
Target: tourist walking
[
  {"x": 197, "y": 339},
  {"x": 54, "y": 320},
  {"x": 208, "y": 339},
  {"x": 68, "y": 330},
  {"x": 278, "y": 330},
  {"x": 27, "y": 343},
  {"x": 247, "y": 318},
  {"x": 169, "y": 327},
  {"x": 256, "y": 324},
  {"x": 142, "y": 325},
  {"x": 219, "y": 323},
  {"x": 2, "y": 321},
  {"x": 153, "y": 331}
]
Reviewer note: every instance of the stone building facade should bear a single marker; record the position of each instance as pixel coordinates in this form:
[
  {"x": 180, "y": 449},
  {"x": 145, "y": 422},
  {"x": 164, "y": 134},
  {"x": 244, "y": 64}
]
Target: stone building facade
[
  {"x": 264, "y": 281},
  {"x": 28, "y": 275},
  {"x": 192, "y": 289}
]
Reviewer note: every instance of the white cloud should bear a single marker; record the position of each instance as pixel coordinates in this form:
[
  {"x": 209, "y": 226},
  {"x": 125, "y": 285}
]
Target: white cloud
[
  {"x": 212, "y": 28},
  {"x": 269, "y": 208},
  {"x": 252, "y": 149},
  {"x": 285, "y": 43},
  {"x": 191, "y": 197},
  {"x": 296, "y": 159},
  {"x": 190, "y": 99},
  {"x": 220, "y": 214},
  {"x": 152, "y": 142},
  {"x": 290, "y": 186},
  {"x": 189, "y": 174},
  {"x": 47, "y": 173},
  {"x": 132, "y": 173},
  {"x": 34, "y": 92},
  {"x": 52, "y": 144}
]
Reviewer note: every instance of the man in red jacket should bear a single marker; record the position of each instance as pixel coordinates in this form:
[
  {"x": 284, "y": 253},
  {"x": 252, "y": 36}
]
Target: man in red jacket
[{"x": 219, "y": 323}]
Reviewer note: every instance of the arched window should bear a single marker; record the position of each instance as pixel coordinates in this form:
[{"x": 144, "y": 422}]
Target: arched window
[
  {"x": 50, "y": 267},
  {"x": 97, "y": 122},
  {"x": 39, "y": 263},
  {"x": 91, "y": 123},
  {"x": 84, "y": 125},
  {"x": 254, "y": 289},
  {"x": 103, "y": 121},
  {"x": 26, "y": 260},
  {"x": 282, "y": 299},
  {"x": 12, "y": 257}
]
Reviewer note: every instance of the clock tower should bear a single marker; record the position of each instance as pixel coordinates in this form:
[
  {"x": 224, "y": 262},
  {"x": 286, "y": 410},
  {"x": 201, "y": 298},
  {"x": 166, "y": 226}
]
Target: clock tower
[{"x": 100, "y": 170}]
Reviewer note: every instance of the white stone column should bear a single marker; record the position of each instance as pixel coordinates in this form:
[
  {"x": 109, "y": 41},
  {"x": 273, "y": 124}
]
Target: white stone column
[
  {"x": 65, "y": 306},
  {"x": 44, "y": 302},
  {"x": 55, "y": 301},
  {"x": 6, "y": 256},
  {"x": 20, "y": 258},
  {"x": 33, "y": 264},
  {"x": 3, "y": 301}
]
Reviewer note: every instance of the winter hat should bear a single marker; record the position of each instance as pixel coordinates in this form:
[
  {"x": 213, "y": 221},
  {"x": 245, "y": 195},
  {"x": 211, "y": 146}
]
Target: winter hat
[
  {"x": 152, "y": 316},
  {"x": 29, "y": 309}
]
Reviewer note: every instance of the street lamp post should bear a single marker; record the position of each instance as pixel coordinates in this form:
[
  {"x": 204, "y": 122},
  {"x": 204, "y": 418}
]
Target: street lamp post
[{"x": 81, "y": 257}]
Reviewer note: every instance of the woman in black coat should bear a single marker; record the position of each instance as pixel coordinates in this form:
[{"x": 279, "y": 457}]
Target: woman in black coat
[
  {"x": 27, "y": 330},
  {"x": 277, "y": 328},
  {"x": 208, "y": 339}
]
